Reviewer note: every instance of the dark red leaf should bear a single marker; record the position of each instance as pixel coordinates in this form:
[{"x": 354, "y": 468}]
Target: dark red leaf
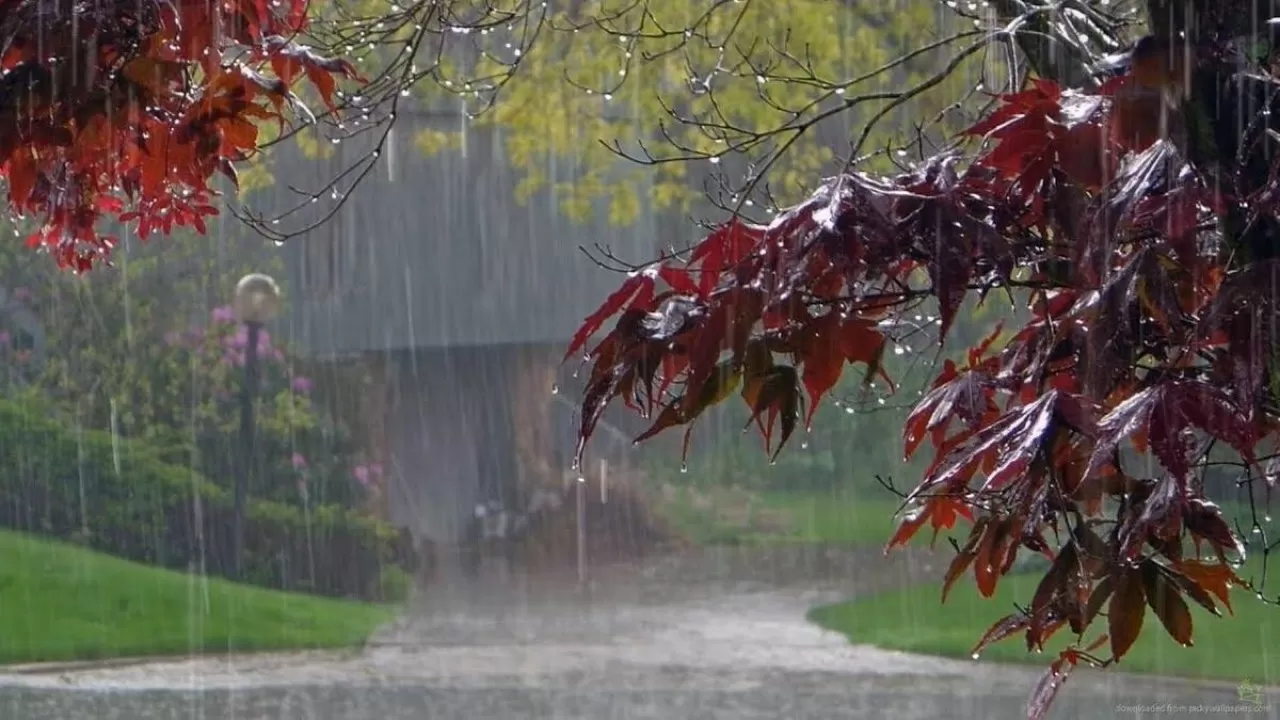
[
  {"x": 638, "y": 289},
  {"x": 1047, "y": 687},
  {"x": 1124, "y": 613},
  {"x": 724, "y": 248},
  {"x": 1205, "y": 520},
  {"x": 1166, "y": 411},
  {"x": 679, "y": 280},
  {"x": 964, "y": 558},
  {"x": 1167, "y": 603},
  {"x": 1217, "y": 578},
  {"x": 1003, "y": 628}
]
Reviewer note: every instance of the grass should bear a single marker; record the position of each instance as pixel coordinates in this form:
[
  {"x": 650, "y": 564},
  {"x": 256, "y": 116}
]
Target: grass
[
  {"x": 61, "y": 602},
  {"x": 1233, "y": 647},
  {"x": 843, "y": 517},
  {"x": 860, "y": 517}
]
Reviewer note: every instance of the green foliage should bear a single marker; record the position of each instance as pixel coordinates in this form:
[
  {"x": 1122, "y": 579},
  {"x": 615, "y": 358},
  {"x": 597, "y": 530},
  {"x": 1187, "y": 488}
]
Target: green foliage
[
  {"x": 66, "y": 603},
  {"x": 395, "y": 585},
  {"x": 119, "y": 496}
]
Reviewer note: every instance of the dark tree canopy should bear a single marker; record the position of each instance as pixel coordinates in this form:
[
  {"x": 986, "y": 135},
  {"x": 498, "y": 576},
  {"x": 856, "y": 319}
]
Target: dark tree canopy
[{"x": 1135, "y": 219}]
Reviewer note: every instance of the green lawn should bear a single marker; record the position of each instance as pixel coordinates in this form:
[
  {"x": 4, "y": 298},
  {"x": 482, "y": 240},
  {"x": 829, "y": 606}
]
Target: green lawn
[
  {"x": 857, "y": 517},
  {"x": 59, "y": 602},
  {"x": 847, "y": 517},
  {"x": 1234, "y": 647}
]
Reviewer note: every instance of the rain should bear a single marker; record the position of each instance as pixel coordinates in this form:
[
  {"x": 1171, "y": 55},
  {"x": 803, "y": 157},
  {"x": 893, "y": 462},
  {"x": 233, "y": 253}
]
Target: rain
[{"x": 637, "y": 360}]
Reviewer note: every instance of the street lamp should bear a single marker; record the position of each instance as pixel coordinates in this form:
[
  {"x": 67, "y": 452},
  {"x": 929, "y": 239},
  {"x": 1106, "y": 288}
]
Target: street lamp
[{"x": 256, "y": 301}]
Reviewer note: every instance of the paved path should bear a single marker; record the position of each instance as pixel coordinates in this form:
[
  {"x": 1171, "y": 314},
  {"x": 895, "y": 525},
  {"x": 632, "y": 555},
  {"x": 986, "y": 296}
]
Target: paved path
[{"x": 641, "y": 645}]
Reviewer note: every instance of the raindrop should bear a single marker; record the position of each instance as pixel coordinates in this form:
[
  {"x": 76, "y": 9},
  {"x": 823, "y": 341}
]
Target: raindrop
[
  {"x": 684, "y": 467},
  {"x": 581, "y": 479},
  {"x": 804, "y": 445},
  {"x": 974, "y": 656},
  {"x": 715, "y": 161},
  {"x": 555, "y": 389},
  {"x": 898, "y": 350}
]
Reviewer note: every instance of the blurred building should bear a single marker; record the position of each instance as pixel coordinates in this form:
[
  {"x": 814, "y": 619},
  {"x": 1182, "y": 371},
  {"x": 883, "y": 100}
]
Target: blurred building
[{"x": 459, "y": 300}]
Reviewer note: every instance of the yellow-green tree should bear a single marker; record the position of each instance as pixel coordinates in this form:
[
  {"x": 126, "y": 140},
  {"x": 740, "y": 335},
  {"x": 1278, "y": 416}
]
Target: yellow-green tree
[
  {"x": 762, "y": 98},
  {"x": 686, "y": 87}
]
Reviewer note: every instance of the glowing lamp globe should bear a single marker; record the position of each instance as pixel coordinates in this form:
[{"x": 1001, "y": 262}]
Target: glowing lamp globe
[{"x": 257, "y": 299}]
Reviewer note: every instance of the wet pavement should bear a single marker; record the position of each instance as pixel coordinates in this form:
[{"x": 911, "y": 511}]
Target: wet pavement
[{"x": 665, "y": 640}]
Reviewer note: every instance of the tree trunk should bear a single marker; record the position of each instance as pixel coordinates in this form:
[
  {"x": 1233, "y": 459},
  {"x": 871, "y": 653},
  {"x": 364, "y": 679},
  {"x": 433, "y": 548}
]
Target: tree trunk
[{"x": 1227, "y": 125}]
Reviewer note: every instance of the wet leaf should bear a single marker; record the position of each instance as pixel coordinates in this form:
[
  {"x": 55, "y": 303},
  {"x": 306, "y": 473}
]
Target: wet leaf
[
  {"x": 1217, "y": 578},
  {"x": 637, "y": 290},
  {"x": 1167, "y": 603},
  {"x": 1125, "y": 611},
  {"x": 963, "y": 559},
  {"x": 1005, "y": 627},
  {"x": 1047, "y": 688}
]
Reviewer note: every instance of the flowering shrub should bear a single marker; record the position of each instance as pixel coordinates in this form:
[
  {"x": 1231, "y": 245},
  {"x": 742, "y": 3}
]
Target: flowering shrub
[
  {"x": 182, "y": 393},
  {"x": 304, "y": 456}
]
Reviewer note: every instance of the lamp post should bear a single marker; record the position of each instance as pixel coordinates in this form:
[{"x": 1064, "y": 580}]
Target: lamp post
[{"x": 257, "y": 298}]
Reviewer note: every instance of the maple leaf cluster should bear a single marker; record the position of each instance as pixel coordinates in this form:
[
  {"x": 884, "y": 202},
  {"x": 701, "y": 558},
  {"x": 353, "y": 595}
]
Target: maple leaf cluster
[
  {"x": 128, "y": 108},
  {"x": 1143, "y": 338}
]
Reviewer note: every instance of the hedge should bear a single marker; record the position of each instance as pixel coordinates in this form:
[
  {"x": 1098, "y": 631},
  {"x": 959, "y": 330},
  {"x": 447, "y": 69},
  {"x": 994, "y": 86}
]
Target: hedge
[{"x": 118, "y": 496}]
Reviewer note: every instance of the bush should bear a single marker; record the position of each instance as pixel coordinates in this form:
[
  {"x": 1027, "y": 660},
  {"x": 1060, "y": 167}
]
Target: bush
[
  {"x": 118, "y": 496},
  {"x": 394, "y": 585}
]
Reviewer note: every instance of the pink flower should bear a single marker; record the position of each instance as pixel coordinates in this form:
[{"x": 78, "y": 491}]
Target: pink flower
[
  {"x": 301, "y": 385},
  {"x": 361, "y": 474},
  {"x": 240, "y": 340},
  {"x": 22, "y": 294},
  {"x": 172, "y": 338},
  {"x": 299, "y": 462},
  {"x": 376, "y": 470},
  {"x": 223, "y": 314}
]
